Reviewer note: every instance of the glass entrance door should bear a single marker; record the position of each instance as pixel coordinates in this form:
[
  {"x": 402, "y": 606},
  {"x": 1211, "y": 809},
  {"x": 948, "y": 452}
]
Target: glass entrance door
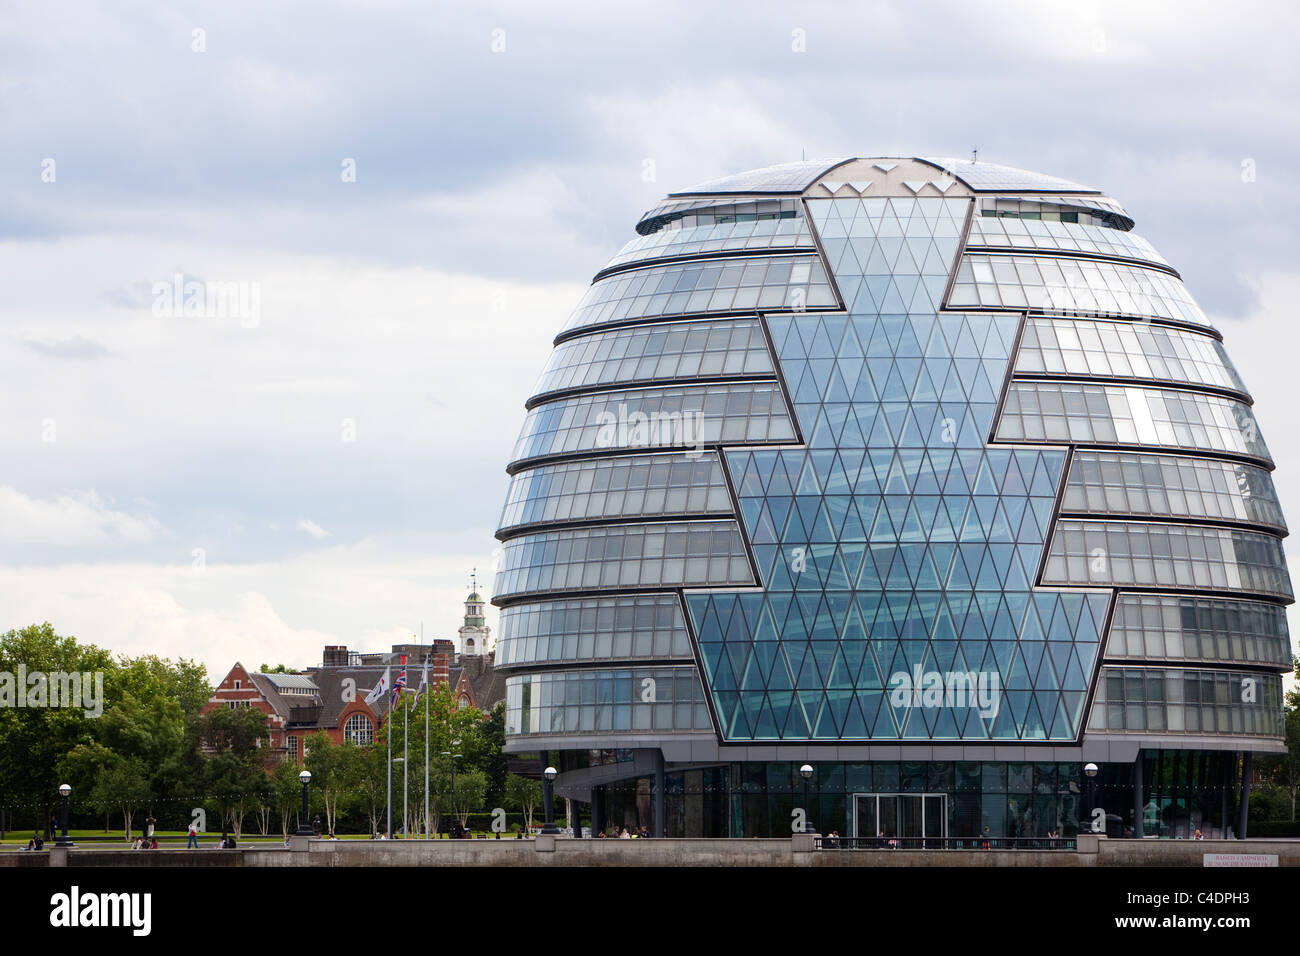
[{"x": 910, "y": 817}]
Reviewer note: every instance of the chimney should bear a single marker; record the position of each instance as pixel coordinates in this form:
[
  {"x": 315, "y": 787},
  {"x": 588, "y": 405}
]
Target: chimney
[
  {"x": 336, "y": 655},
  {"x": 443, "y": 651}
]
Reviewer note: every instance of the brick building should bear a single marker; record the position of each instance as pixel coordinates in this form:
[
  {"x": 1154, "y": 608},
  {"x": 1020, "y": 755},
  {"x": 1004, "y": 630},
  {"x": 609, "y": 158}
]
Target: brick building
[{"x": 331, "y": 696}]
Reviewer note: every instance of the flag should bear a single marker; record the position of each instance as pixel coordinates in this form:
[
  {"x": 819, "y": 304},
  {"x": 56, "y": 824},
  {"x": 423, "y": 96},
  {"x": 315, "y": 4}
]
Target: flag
[
  {"x": 424, "y": 682},
  {"x": 379, "y": 689},
  {"x": 400, "y": 686}
]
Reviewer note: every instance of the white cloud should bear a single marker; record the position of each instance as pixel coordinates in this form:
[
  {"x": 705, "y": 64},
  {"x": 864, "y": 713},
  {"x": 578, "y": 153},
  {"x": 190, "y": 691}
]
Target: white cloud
[
  {"x": 313, "y": 529},
  {"x": 76, "y": 519},
  {"x": 368, "y": 596}
]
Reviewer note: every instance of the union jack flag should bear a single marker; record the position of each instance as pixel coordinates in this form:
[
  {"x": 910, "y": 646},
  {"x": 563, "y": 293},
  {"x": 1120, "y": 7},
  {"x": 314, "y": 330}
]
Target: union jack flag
[{"x": 399, "y": 685}]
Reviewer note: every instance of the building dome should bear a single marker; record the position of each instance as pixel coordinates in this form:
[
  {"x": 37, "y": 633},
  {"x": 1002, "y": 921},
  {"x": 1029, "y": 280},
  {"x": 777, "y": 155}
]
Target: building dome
[{"x": 925, "y": 459}]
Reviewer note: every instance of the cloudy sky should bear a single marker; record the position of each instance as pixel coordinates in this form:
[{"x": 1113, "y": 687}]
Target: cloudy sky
[{"x": 411, "y": 197}]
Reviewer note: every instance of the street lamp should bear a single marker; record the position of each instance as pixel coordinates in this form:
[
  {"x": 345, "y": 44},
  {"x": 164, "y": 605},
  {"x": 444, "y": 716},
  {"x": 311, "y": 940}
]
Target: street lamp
[
  {"x": 806, "y": 771},
  {"x": 454, "y": 758},
  {"x": 304, "y": 825},
  {"x": 1090, "y": 770},
  {"x": 64, "y": 840},
  {"x": 548, "y": 797}
]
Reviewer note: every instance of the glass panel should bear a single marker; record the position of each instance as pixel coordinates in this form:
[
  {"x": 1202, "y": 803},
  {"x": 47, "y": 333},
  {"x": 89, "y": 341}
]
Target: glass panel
[
  {"x": 617, "y": 487},
  {"x": 1002, "y": 232},
  {"x": 1167, "y": 555},
  {"x": 1076, "y": 286},
  {"x": 642, "y": 353},
  {"x": 685, "y": 417},
  {"x": 710, "y": 285},
  {"x": 1114, "y": 414},
  {"x": 1125, "y": 350},
  {"x": 1171, "y": 486},
  {"x": 640, "y": 555},
  {"x": 662, "y": 699}
]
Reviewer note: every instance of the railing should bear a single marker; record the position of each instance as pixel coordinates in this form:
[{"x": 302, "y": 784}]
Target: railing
[{"x": 944, "y": 843}]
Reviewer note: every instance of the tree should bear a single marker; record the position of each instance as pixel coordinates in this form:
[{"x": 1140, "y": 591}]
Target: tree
[
  {"x": 232, "y": 783},
  {"x": 122, "y": 785},
  {"x": 468, "y": 794},
  {"x": 330, "y": 765},
  {"x": 285, "y": 794},
  {"x": 368, "y": 777},
  {"x": 37, "y": 738},
  {"x": 524, "y": 793},
  {"x": 234, "y": 772}
]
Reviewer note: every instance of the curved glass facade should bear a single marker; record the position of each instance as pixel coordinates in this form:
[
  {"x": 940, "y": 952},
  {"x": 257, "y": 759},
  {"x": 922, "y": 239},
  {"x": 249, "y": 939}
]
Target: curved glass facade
[
  {"x": 1072, "y": 413},
  {"x": 733, "y": 284},
  {"x": 628, "y": 420},
  {"x": 621, "y": 487},
  {"x": 1102, "y": 349},
  {"x": 929, "y": 473},
  {"x": 1171, "y": 486},
  {"x": 639, "y": 627},
  {"x": 680, "y": 553},
  {"x": 1150, "y": 554},
  {"x": 750, "y": 234},
  {"x": 641, "y": 353},
  {"x": 986, "y": 231},
  {"x": 1059, "y": 284},
  {"x": 1166, "y": 626}
]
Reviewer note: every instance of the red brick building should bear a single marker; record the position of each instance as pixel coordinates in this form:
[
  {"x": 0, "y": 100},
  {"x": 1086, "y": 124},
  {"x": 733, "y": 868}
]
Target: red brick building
[{"x": 331, "y": 696}]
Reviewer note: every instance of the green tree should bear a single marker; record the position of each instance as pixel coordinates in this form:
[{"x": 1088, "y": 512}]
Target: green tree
[
  {"x": 469, "y": 793},
  {"x": 524, "y": 793},
  {"x": 234, "y": 773},
  {"x": 121, "y": 785},
  {"x": 36, "y": 739},
  {"x": 286, "y": 795},
  {"x": 368, "y": 778},
  {"x": 330, "y": 765}
]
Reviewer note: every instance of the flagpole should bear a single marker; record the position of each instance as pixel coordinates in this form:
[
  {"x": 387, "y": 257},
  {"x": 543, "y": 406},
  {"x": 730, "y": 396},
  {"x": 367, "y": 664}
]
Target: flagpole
[
  {"x": 426, "y": 757},
  {"x": 406, "y": 718},
  {"x": 388, "y": 827}
]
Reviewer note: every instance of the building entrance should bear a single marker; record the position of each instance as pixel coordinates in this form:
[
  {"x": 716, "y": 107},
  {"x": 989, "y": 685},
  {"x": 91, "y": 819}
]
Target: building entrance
[{"x": 914, "y": 817}]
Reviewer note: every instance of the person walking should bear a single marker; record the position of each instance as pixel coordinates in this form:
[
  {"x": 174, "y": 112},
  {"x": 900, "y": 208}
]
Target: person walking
[{"x": 192, "y": 842}]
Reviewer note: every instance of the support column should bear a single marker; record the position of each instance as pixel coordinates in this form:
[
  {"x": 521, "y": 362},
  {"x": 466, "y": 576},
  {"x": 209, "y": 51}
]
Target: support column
[
  {"x": 659, "y": 793},
  {"x": 597, "y": 809},
  {"x": 1225, "y": 784},
  {"x": 1244, "y": 808},
  {"x": 1138, "y": 803},
  {"x": 575, "y": 819}
]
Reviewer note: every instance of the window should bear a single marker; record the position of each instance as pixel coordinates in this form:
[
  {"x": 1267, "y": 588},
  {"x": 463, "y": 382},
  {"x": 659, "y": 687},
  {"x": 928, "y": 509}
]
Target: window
[
  {"x": 291, "y": 744},
  {"x": 359, "y": 729},
  {"x": 238, "y": 684},
  {"x": 462, "y": 703}
]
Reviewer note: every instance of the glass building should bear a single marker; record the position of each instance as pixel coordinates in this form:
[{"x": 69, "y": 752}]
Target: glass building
[{"x": 928, "y": 473}]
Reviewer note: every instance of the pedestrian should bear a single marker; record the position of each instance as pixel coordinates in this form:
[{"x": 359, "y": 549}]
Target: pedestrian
[
  {"x": 192, "y": 841},
  {"x": 1199, "y": 835},
  {"x": 625, "y": 835},
  {"x": 986, "y": 843}
]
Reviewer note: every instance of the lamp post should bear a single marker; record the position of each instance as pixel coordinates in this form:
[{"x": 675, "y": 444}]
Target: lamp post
[
  {"x": 453, "y": 757},
  {"x": 65, "y": 791},
  {"x": 806, "y": 771},
  {"x": 548, "y": 798},
  {"x": 1090, "y": 770},
  {"x": 304, "y": 825}
]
